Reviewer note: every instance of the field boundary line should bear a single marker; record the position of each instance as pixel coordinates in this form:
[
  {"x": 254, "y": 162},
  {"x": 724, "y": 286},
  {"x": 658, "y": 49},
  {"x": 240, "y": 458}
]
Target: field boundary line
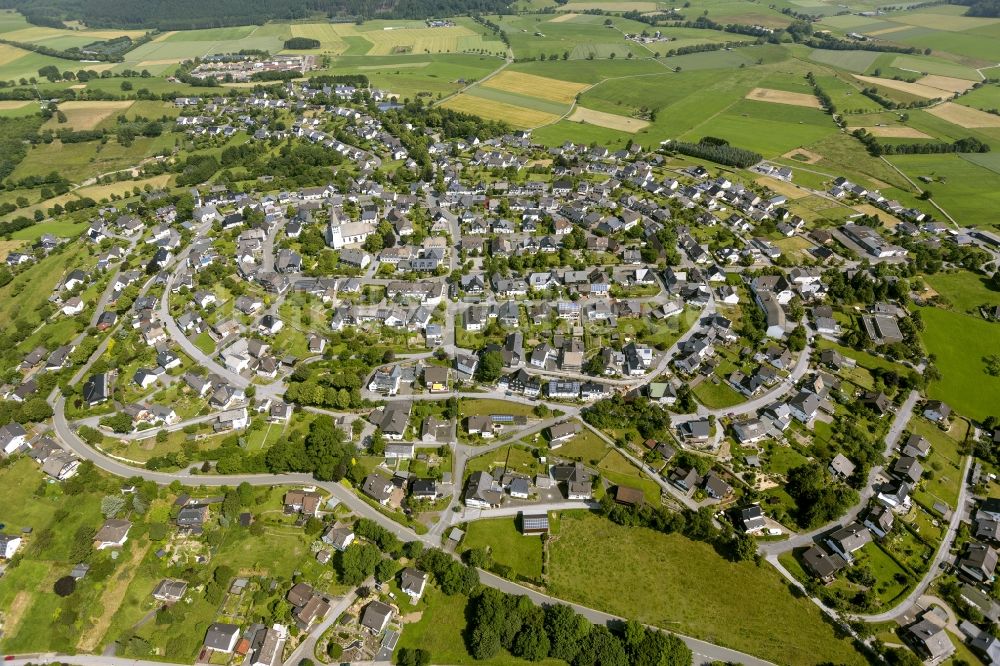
[{"x": 919, "y": 189}]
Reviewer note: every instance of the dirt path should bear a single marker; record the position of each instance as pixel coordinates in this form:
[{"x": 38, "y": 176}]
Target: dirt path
[
  {"x": 111, "y": 600},
  {"x": 13, "y": 617}
]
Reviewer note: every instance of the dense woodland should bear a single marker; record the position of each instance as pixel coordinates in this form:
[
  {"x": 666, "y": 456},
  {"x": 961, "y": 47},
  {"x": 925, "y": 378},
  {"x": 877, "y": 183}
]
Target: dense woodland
[{"x": 190, "y": 14}]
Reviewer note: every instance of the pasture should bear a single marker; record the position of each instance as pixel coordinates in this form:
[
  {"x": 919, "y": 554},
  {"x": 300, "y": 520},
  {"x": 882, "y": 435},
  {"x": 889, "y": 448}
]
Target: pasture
[
  {"x": 382, "y": 38},
  {"x": 938, "y": 66},
  {"x": 853, "y": 61},
  {"x": 960, "y": 342},
  {"x": 680, "y": 584},
  {"x": 583, "y": 36},
  {"x": 409, "y": 75},
  {"x": 966, "y": 190},
  {"x": 845, "y": 96},
  {"x": 897, "y": 132},
  {"x": 82, "y": 115},
  {"x": 985, "y": 97},
  {"x": 176, "y": 46},
  {"x": 17, "y": 108}
]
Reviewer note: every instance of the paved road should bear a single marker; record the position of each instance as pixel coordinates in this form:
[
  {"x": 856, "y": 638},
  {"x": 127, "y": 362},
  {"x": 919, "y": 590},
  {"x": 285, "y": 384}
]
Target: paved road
[
  {"x": 84, "y": 660},
  {"x": 307, "y": 648},
  {"x": 704, "y": 653},
  {"x": 660, "y": 481},
  {"x": 94, "y": 422},
  {"x": 944, "y": 552},
  {"x": 177, "y": 335},
  {"x": 901, "y": 419}
]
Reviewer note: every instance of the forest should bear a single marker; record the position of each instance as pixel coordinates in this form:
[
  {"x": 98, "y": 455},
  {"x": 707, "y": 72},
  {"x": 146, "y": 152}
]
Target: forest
[{"x": 192, "y": 14}]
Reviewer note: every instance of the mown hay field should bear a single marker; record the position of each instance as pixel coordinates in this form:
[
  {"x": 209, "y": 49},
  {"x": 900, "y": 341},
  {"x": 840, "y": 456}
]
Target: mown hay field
[{"x": 536, "y": 86}]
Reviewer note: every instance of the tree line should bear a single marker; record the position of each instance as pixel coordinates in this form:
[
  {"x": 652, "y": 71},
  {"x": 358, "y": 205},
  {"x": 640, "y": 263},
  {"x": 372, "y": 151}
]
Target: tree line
[
  {"x": 721, "y": 153},
  {"x": 194, "y": 14},
  {"x": 501, "y": 621},
  {"x": 968, "y": 144}
]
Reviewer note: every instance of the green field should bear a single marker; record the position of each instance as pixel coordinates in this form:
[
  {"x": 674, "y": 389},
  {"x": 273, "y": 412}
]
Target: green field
[
  {"x": 965, "y": 291},
  {"x": 964, "y": 189},
  {"x": 486, "y": 406},
  {"x": 31, "y": 606},
  {"x": 511, "y": 457},
  {"x": 25, "y": 295},
  {"x": 586, "y": 446},
  {"x": 960, "y": 343},
  {"x": 508, "y": 546},
  {"x": 846, "y": 96},
  {"x": 985, "y": 97},
  {"x": 852, "y": 61},
  {"x": 581, "y": 36},
  {"x": 618, "y": 470},
  {"x": 944, "y": 463},
  {"x": 441, "y": 631},
  {"x": 717, "y": 395},
  {"x": 408, "y": 75},
  {"x": 676, "y": 583}
]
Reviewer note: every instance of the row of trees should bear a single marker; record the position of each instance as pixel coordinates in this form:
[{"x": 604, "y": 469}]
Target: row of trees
[
  {"x": 513, "y": 623},
  {"x": 191, "y": 14},
  {"x": 968, "y": 144}
]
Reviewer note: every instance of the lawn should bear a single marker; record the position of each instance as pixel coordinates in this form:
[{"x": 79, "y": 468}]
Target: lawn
[
  {"x": 617, "y": 469},
  {"x": 521, "y": 553},
  {"x": 944, "y": 462},
  {"x": 885, "y": 570},
  {"x": 781, "y": 458},
  {"x": 26, "y": 594},
  {"x": 683, "y": 585},
  {"x": 485, "y": 407},
  {"x": 441, "y": 631},
  {"x": 960, "y": 343},
  {"x": 586, "y": 446},
  {"x": 717, "y": 395},
  {"x": 516, "y": 458}
]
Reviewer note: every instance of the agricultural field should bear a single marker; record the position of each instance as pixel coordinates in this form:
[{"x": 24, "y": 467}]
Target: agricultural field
[
  {"x": 964, "y": 188},
  {"x": 530, "y": 85},
  {"x": 964, "y": 116},
  {"x": 609, "y": 120},
  {"x": 783, "y": 97},
  {"x": 79, "y": 161},
  {"x": 685, "y": 585},
  {"x": 174, "y": 47},
  {"x": 518, "y": 116},
  {"x": 411, "y": 75},
  {"x": 985, "y": 97},
  {"x": 381, "y": 38},
  {"x": 87, "y": 115},
  {"x": 964, "y": 291},
  {"x": 578, "y": 37},
  {"x": 960, "y": 343}
]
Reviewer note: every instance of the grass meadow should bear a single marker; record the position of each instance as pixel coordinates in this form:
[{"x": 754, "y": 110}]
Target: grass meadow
[{"x": 673, "y": 582}]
